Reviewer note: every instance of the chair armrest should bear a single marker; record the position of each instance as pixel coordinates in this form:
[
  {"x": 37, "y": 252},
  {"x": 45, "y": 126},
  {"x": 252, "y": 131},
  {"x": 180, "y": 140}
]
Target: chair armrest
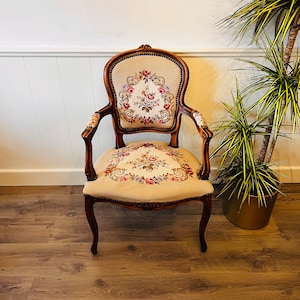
[
  {"x": 199, "y": 119},
  {"x": 91, "y": 125},
  {"x": 87, "y": 136},
  {"x": 206, "y": 134}
]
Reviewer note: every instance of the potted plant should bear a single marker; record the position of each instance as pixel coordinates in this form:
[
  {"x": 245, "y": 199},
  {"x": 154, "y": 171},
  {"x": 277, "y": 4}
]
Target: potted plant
[
  {"x": 249, "y": 186},
  {"x": 247, "y": 178}
]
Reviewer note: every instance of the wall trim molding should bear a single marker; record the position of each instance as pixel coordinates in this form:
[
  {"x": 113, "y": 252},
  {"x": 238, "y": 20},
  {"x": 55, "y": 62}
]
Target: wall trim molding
[
  {"x": 31, "y": 177},
  {"x": 98, "y": 52},
  {"x": 286, "y": 174}
]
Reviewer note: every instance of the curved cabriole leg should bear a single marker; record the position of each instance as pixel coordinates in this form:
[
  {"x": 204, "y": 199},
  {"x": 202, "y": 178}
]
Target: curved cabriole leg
[
  {"x": 204, "y": 220},
  {"x": 89, "y": 212}
]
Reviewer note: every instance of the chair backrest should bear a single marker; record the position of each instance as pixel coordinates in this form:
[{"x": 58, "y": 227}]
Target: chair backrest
[{"x": 146, "y": 87}]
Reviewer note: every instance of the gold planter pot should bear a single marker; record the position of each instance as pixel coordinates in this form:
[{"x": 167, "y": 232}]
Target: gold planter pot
[{"x": 250, "y": 215}]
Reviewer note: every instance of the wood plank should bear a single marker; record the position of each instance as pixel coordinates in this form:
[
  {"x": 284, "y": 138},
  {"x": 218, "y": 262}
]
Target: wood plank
[
  {"x": 45, "y": 251},
  {"x": 15, "y": 288},
  {"x": 186, "y": 286},
  {"x": 68, "y": 259}
]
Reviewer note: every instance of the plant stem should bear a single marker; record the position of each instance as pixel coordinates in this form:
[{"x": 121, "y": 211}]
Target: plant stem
[
  {"x": 266, "y": 140},
  {"x": 291, "y": 39},
  {"x": 287, "y": 56}
]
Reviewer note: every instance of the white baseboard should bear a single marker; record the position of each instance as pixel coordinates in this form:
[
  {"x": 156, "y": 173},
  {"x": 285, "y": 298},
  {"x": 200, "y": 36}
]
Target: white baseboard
[
  {"x": 30, "y": 177},
  {"x": 286, "y": 174}
]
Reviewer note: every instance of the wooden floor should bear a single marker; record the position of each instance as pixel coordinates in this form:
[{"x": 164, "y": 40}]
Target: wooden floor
[{"x": 45, "y": 251}]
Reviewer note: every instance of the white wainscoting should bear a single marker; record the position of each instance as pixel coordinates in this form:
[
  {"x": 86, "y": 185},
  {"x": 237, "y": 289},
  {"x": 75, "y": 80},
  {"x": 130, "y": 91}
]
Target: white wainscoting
[{"x": 47, "y": 97}]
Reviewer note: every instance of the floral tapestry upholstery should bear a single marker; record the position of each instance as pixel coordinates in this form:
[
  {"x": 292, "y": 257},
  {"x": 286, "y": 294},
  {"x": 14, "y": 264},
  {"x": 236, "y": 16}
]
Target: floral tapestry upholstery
[
  {"x": 146, "y": 88},
  {"x": 147, "y": 171}
]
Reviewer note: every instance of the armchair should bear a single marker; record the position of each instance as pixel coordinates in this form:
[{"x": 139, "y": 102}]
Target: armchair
[{"x": 146, "y": 89}]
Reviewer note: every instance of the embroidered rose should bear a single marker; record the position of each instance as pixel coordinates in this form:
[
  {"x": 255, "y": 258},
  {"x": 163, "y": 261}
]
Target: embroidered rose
[
  {"x": 150, "y": 96},
  {"x": 149, "y": 181},
  {"x": 152, "y": 158},
  {"x": 173, "y": 178},
  {"x": 187, "y": 169},
  {"x": 145, "y": 73},
  {"x": 123, "y": 178},
  {"x": 124, "y": 154},
  {"x": 126, "y": 105},
  {"x": 161, "y": 90},
  {"x": 147, "y": 120},
  {"x": 109, "y": 168},
  {"x": 130, "y": 90}
]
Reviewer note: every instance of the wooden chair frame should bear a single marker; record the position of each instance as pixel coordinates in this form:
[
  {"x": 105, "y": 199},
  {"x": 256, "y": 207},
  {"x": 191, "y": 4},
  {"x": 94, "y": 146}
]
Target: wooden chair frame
[{"x": 110, "y": 109}]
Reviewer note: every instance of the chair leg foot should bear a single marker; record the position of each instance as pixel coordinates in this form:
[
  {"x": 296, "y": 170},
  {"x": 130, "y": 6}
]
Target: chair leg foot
[
  {"x": 203, "y": 222},
  {"x": 203, "y": 246},
  {"x": 94, "y": 249},
  {"x": 89, "y": 210}
]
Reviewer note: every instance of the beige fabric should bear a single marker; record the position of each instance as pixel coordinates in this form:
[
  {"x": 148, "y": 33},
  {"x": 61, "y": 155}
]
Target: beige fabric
[
  {"x": 199, "y": 119},
  {"x": 94, "y": 120},
  {"x": 146, "y": 87},
  {"x": 147, "y": 172}
]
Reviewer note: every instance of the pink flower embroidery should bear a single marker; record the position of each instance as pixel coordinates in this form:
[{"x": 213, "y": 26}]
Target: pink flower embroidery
[
  {"x": 124, "y": 154},
  {"x": 167, "y": 106},
  {"x": 161, "y": 90},
  {"x": 147, "y": 121},
  {"x": 130, "y": 90},
  {"x": 173, "y": 178},
  {"x": 149, "y": 181},
  {"x": 152, "y": 158},
  {"x": 145, "y": 73},
  {"x": 187, "y": 169},
  {"x": 126, "y": 105},
  {"x": 171, "y": 154},
  {"x": 147, "y": 145},
  {"x": 150, "y": 96},
  {"x": 109, "y": 169}
]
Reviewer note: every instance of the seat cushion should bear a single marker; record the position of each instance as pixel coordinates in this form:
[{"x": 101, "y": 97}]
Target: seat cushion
[{"x": 147, "y": 172}]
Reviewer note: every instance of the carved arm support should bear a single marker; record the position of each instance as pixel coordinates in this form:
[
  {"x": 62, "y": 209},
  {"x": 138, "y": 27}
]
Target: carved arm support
[
  {"x": 206, "y": 135},
  {"x": 87, "y": 136}
]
